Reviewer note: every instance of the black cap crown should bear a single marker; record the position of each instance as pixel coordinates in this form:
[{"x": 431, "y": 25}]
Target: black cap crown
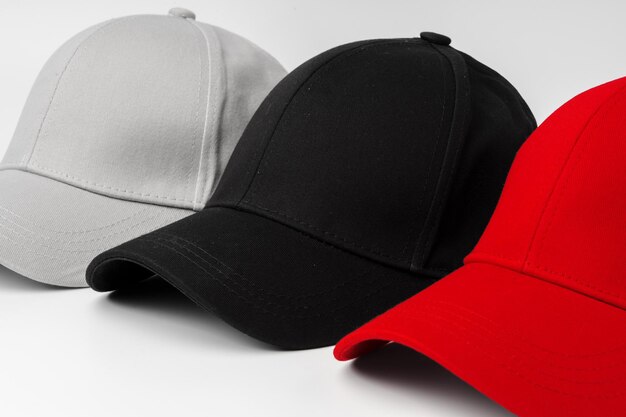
[
  {"x": 366, "y": 174},
  {"x": 395, "y": 150}
]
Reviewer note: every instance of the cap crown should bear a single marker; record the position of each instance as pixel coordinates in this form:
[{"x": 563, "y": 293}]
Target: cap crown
[
  {"x": 562, "y": 215},
  {"x": 358, "y": 148},
  {"x": 137, "y": 108}
]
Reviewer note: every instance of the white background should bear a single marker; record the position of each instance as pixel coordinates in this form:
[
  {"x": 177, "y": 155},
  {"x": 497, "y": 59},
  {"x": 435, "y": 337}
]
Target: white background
[{"x": 151, "y": 352}]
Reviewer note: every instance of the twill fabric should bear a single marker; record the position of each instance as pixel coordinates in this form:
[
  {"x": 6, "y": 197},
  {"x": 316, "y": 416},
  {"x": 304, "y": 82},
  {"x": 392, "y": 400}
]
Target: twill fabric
[
  {"x": 535, "y": 319},
  {"x": 365, "y": 175}
]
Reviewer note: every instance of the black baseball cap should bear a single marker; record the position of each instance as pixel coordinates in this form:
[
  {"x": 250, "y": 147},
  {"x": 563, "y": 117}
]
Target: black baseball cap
[{"x": 367, "y": 173}]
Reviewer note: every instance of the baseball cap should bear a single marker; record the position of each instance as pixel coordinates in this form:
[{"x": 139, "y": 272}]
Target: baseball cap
[
  {"x": 127, "y": 128},
  {"x": 367, "y": 173},
  {"x": 535, "y": 319}
]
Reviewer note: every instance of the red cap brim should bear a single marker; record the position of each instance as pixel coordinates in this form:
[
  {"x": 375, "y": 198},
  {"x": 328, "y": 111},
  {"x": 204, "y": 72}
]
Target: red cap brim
[{"x": 536, "y": 348}]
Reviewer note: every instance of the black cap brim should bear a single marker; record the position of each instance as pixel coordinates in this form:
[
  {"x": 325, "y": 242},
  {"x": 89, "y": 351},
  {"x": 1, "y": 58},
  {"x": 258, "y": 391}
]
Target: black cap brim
[{"x": 274, "y": 283}]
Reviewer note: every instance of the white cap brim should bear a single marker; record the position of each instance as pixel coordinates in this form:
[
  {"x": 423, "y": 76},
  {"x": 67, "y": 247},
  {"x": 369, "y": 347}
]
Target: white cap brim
[{"x": 50, "y": 231}]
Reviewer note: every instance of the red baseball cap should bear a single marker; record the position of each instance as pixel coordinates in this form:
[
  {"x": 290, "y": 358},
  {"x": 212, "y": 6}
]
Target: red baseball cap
[{"x": 536, "y": 318}]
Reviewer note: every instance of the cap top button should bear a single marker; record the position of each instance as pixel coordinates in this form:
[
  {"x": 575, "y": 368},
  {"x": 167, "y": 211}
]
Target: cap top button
[
  {"x": 181, "y": 12},
  {"x": 436, "y": 38}
]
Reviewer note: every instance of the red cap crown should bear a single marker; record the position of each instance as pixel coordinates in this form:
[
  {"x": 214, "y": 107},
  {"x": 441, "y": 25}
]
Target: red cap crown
[{"x": 562, "y": 214}]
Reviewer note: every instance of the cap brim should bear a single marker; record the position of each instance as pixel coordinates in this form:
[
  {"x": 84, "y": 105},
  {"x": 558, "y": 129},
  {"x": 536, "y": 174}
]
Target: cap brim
[
  {"x": 536, "y": 348},
  {"x": 50, "y": 231},
  {"x": 272, "y": 282}
]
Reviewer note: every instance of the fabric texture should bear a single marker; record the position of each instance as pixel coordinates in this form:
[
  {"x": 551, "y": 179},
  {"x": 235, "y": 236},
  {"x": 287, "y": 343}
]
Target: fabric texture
[
  {"x": 363, "y": 149},
  {"x": 142, "y": 109},
  {"x": 156, "y": 83},
  {"x": 535, "y": 318},
  {"x": 56, "y": 248},
  {"x": 280, "y": 286}
]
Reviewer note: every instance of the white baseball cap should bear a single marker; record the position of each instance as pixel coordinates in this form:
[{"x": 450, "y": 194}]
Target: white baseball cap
[{"x": 127, "y": 128}]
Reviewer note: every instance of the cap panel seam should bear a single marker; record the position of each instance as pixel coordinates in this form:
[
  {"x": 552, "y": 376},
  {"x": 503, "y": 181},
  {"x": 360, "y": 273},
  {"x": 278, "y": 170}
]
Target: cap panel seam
[
  {"x": 559, "y": 179},
  {"x": 197, "y": 126},
  {"x": 33, "y": 166},
  {"x": 266, "y": 152},
  {"x": 492, "y": 259},
  {"x": 425, "y": 273},
  {"x": 27, "y": 161},
  {"x": 310, "y": 84},
  {"x": 478, "y": 66},
  {"x": 447, "y": 170},
  {"x": 269, "y": 151},
  {"x": 419, "y": 252},
  {"x": 104, "y": 187},
  {"x": 214, "y": 108},
  {"x": 374, "y": 250},
  {"x": 422, "y": 201}
]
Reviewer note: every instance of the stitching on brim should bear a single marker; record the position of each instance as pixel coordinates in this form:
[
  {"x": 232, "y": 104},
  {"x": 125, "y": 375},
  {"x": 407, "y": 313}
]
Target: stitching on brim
[
  {"x": 39, "y": 254},
  {"x": 502, "y": 331},
  {"x": 61, "y": 232},
  {"x": 357, "y": 278},
  {"x": 248, "y": 301},
  {"x": 437, "y": 315},
  {"x": 401, "y": 338},
  {"x": 57, "y": 280},
  {"x": 172, "y": 239},
  {"x": 65, "y": 241}
]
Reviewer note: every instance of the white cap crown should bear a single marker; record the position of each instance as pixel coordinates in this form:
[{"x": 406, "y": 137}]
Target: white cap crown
[{"x": 142, "y": 108}]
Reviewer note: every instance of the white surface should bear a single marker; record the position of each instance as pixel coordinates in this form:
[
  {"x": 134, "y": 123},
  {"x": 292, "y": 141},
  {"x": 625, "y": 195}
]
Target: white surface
[{"x": 150, "y": 352}]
